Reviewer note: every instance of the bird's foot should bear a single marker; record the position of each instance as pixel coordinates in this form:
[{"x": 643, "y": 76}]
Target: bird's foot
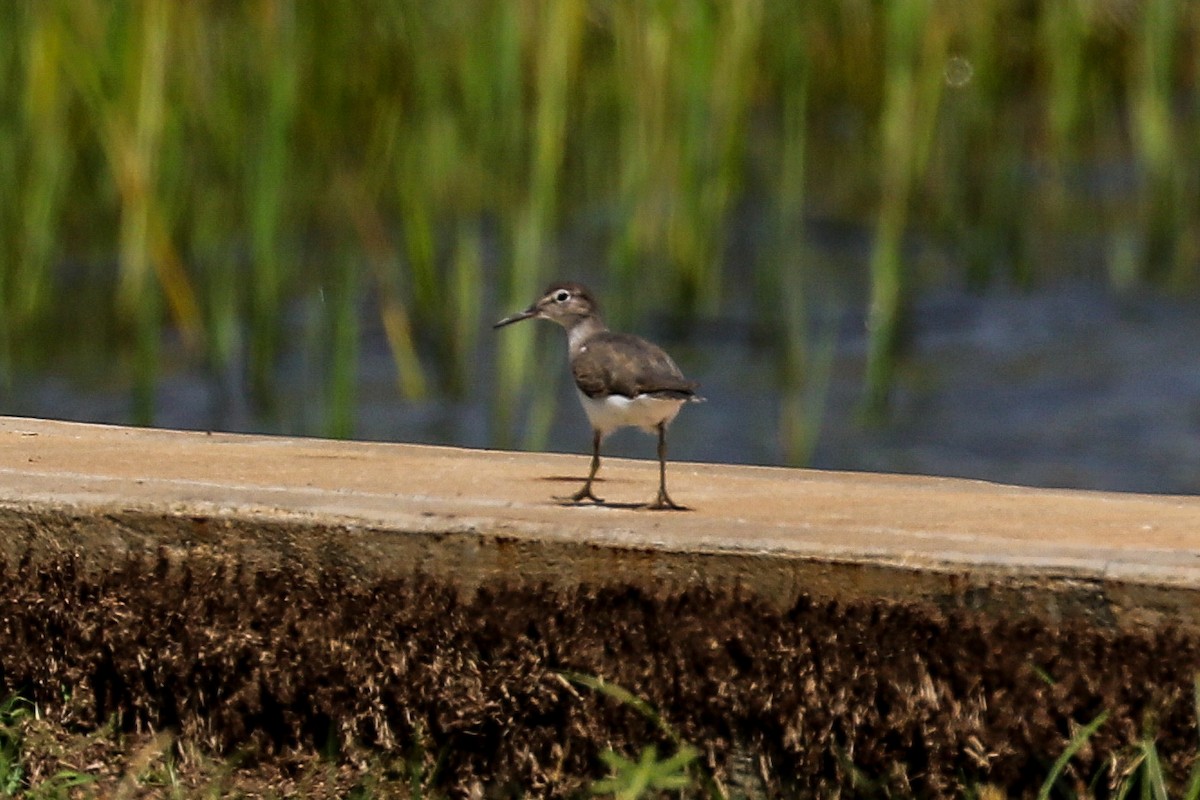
[
  {"x": 583, "y": 494},
  {"x": 664, "y": 503}
]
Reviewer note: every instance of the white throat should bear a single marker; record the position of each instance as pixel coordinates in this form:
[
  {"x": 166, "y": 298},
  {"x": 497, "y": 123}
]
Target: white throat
[{"x": 579, "y": 333}]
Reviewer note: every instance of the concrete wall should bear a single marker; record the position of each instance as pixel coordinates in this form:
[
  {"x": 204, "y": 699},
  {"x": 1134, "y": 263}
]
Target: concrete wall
[{"x": 281, "y": 591}]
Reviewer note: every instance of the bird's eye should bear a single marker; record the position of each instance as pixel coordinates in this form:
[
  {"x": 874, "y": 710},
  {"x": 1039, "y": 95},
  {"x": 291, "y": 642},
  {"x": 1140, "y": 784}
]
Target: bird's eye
[{"x": 562, "y": 296}]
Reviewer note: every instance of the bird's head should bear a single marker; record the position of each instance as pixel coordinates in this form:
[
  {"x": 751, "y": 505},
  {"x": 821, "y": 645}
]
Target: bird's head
[{"x": 564, "y": 303}]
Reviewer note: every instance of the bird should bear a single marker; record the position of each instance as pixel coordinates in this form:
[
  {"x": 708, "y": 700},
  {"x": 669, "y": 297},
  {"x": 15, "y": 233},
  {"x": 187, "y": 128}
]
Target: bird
[{"x": 622, "y": 380}]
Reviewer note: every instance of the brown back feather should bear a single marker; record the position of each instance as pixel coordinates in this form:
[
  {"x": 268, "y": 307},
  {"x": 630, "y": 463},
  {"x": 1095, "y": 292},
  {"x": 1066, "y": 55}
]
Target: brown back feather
[{"x": 620, "y": 363}]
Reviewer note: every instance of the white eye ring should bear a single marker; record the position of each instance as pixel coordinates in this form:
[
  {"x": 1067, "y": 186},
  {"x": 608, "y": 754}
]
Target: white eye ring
[{"x": 562, "y": 296}]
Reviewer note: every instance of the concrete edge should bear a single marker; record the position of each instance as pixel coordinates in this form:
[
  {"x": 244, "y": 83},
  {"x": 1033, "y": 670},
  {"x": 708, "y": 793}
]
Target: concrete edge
[{"x": 470, "y": 556}]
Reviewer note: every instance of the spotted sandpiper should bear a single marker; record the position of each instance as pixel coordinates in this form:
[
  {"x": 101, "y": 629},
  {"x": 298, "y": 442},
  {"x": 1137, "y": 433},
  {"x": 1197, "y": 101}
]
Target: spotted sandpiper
[{"x": 623, "y": 380}]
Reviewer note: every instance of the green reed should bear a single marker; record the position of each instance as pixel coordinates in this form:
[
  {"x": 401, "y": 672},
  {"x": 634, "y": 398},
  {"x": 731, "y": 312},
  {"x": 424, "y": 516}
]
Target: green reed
[
  {"x": 268, "y": 163},
  {"x": 211, "y": 164},
  {"x": 1166, "y": 204},
  {"x": 783, "y": 289},
  {"x": 914, "y": 52},
  {"x": 48, "y": 159},
  {"x": 343, "y": 294},
  {"x": 119, "y": 73},
  {"x": 12, "y": 71},
  {"x": 985, "y": 218},
  {"x": 690, "y": 69},
  {"x": 556, "y": 50}
]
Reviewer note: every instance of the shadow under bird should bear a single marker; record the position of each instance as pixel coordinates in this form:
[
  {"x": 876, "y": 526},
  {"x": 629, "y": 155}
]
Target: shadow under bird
[{"x": 623, "y": 380}]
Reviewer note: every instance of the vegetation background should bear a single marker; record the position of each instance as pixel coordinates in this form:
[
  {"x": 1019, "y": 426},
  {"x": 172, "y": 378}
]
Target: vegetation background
[
  {"x": 266, "y": 209},
  {"x": 252, "y": 193}
]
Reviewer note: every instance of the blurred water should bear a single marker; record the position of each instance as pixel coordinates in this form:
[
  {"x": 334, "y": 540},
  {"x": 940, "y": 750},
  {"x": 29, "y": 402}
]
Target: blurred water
[{"x": 1072, "y": 386}]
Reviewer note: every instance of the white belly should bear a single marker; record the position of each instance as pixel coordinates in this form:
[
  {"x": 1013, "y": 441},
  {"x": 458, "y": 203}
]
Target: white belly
[{"x": 616, "y": 411}]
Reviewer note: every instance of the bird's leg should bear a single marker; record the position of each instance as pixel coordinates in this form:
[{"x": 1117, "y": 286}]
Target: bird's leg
[
  {"x": 586, "y": 492},
  {"x": 663, "y": 501}
]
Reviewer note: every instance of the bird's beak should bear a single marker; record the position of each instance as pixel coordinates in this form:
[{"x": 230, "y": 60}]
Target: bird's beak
[{"x": 526, "y": 314}]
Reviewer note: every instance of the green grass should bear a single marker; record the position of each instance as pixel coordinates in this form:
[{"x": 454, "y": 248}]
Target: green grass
[
  {"x": 647, "y": 774},
  {"x": 213, "y": 165},
  {"x": 160, "y": 764},
  {"x": 11, "y": 770}
]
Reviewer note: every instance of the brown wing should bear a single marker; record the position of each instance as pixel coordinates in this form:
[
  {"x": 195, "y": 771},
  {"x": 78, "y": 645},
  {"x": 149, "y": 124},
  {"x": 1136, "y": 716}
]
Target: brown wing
[{"x": 619, "y": 363}]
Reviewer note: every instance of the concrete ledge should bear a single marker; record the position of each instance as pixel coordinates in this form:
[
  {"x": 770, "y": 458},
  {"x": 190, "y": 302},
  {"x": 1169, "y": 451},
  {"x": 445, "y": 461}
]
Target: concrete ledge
[{"x": 474, "y": 517}]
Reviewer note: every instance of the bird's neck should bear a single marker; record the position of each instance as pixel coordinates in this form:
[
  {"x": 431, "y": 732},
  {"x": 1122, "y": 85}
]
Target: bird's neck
[{"x": 582, "y": 329}]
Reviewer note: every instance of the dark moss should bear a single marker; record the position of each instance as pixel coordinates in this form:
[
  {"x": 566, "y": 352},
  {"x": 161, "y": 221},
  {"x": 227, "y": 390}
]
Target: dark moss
[{"x": 925, "y": 700}]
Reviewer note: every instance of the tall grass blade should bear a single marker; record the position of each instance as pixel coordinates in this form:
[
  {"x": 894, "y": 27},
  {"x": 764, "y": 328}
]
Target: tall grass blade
[
  {"x": 559, "y": 37},
  {"x": 784, "y": 285},
  {"x": 124, "y": 88},
  {"x": 641, "y": 42},
  {"x": 1064, "y": 29},
  {"x": 13, "y": 17},
  {"x": 268, "y": 159},
  {"x": 135, "y": 161},
  {"x": 624, "y": 697},
  {"x": 914, "y": 53},
  {"x": 1078, "y": 741},
  {"x": 1154, "y": 785},
  {"x": 685, "y": 754},
  {"x": 1191, "y": 790},
  {"x": 466, "y": 295},
  {"x": 1132, "y": 771},
  {"x": 383, "y": 261},
  {"x": 1154, "y": 127},
  {"x": 49, "y": 164},
  {"x": 343, "y": 346},
  {"x": 648, "y": 776},
  {"x": 12, "y": 769}
]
